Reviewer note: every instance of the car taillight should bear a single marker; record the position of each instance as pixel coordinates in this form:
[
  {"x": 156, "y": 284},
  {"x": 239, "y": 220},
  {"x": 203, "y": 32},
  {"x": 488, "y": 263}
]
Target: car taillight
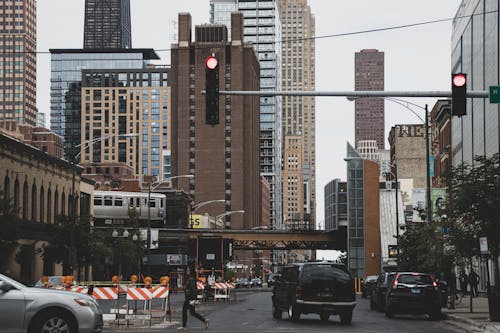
[
  {"x": 298, "y": 291},
  {"x": 395, "y": 284}
]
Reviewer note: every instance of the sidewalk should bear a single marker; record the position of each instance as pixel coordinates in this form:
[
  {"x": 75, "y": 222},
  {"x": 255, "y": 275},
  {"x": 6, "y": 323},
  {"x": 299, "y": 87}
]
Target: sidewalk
[{"x": 476, "y": 321}]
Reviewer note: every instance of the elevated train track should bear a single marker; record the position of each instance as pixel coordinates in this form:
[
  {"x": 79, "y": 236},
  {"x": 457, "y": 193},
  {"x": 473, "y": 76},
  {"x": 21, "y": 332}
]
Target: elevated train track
[{"x": 266, "y": 239}]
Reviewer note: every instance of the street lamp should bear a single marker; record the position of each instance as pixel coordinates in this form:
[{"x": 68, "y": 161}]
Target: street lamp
[
  {"x": 195, "y": 207},
  {"x": 118, "y": 237},
  {"x": 149, "y": 211},
  {"x": 406, "y": 104},
  {"x": 73, "y": 162},
  {"x": 218, "y": 218}
]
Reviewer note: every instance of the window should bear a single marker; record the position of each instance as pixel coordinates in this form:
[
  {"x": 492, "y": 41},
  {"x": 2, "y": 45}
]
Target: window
[
  {"x": 108, "y": 200},
  {"x": 97, "y": 201}
]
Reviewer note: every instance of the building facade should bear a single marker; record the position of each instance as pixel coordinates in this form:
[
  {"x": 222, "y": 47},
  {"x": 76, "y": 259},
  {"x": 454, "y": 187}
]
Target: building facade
[
  {"x": 18, "y": 61},
  {"x": 369, "y": 112},
  {"x": 131, "y": 107},
  {"x": 39, "y": 188},
  {"x": 107, "y": 24},
  {"x": 441, "y": 142},
  {"x": 363, "y": 211},
  {"x": 224, "y": 157},
  {"x": 335, "y": 205},
  {"x": 65, "y": 85},
  {"x": 262, "y": 29},
  {"x": 298, "y": 113},
  {"x": 475, "y": 52}
]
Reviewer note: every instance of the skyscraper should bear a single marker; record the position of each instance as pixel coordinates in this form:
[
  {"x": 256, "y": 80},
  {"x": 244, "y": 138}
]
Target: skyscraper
[
  {"x": 474, "y": 44},
  {"x": 369, "y": 112},
  {"x": 107, "y": 24},
  {"x": 223, "y": 157},
  {"x": 298, "y": 113},
  {"x": 18, "y": 56},
  {"x": 262, "y": 29}
]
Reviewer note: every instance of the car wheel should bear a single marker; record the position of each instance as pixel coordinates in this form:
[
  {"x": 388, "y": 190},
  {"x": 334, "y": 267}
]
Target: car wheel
[
  {"x": 388, "y": 312},
  {"x": 53, "y": 321},
  {"x": 324, "y": 316},
  {"x": 346, "y": 317},
  {"x": 276, "y": 312},
  {"x": 435, "y": 315},
  {"x": 373, "y": 306},
  {"x": 293, "y": 313}
]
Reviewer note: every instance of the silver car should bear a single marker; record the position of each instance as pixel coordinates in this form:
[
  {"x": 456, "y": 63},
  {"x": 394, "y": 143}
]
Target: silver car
[{"x": 34, "y": 310}]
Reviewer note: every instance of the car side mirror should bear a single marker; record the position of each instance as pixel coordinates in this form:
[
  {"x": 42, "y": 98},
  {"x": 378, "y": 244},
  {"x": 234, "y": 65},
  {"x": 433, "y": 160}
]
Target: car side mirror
[{"x": 5, "y": 286}]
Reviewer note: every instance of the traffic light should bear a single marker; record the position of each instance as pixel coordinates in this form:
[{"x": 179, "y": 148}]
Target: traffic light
[
  {"x": 459, "y": 94},
  {"x": 211, "y": 90}
]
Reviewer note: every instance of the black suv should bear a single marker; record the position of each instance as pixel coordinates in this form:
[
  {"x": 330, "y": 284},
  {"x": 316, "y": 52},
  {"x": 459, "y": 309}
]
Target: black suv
[
  {"x": 324, "y": 288},
  {"x": 378, "y": 292},
  {"x": 413, "y": 293}
]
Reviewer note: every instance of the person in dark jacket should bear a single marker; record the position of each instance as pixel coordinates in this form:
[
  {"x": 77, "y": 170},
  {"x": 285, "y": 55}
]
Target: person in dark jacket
[{"x": 190, "y": 299}]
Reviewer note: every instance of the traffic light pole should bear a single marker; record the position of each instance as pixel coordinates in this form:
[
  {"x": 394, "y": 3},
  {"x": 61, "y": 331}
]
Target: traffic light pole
[{"x": 470, "y": 94}]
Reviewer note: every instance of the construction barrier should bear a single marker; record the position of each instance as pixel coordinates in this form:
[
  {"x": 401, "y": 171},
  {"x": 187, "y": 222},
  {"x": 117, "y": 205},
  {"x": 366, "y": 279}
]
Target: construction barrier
[{"x": 102, "y": 293}]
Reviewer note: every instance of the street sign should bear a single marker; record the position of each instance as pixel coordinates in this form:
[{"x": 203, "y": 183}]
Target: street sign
[
  {"x": 494, "y": 94},
  {"x": 483, "y": 245}
]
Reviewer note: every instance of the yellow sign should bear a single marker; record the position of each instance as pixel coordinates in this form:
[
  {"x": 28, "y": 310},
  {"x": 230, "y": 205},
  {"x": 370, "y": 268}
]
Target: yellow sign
[{"x": 195, "y": 221}]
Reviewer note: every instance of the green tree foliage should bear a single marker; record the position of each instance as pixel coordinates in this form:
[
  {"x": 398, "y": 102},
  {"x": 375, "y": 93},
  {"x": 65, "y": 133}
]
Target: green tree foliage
[
  {"x": 474, "y": 207},
  {"x": 421, "y": 248},
  {"x": 9, "y": 223}
]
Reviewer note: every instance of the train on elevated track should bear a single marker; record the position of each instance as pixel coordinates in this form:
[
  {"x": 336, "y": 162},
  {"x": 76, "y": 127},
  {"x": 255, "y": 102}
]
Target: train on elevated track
[{"x": 113, "y": 208}]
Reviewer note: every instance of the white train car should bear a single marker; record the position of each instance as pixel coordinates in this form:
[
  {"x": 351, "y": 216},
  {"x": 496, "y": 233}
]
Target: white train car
[{"x": 112, "y": 207}]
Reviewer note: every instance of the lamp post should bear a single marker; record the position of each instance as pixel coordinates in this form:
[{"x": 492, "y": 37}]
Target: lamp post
[
  {"x": 148, "y": 247},
  {"x": 406, "y": 104},
  {"x": 73, "y": 162},
  {"x": 195, "y": 207},
  {"x": 118, "y": 237},
  {"x": 219, "y": 217}
]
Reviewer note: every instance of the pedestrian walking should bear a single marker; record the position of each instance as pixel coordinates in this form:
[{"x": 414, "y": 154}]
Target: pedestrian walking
[
  {"x": 190, "y": 300},
  {"x": 464, "y": 281},
  {"x": 473, "y": 281}
]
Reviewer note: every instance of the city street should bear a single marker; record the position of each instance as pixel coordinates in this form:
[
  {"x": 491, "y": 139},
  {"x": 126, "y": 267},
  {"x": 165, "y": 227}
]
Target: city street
[{"x": 251, "y": 312}]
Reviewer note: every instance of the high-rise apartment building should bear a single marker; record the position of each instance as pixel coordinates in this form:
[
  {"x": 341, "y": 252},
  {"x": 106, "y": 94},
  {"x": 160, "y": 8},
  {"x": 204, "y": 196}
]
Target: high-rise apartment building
[
  {"x": 224, "y": 157},
  {"x": 65, "y": 88},
  {"x": 298, "y": 113},
  {"x": 262, "y": 29},
  {"x": 474, "y": 43},
  {"x": 335, "y": 205},
  {"x": 18, "y": 61},
  {"x": 369, "y": 111},
  {"x": 130, "y": 108},
  {"x": 107, "y": 24}
]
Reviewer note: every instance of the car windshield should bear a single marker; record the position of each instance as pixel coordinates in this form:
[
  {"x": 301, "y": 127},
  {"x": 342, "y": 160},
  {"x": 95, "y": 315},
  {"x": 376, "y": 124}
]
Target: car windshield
[
  {"x": 323, "y": 272},
  {"x": 53, "y": 280},
  {"x": 414, "y": 279},
  {"x": 371, "y": 278}
]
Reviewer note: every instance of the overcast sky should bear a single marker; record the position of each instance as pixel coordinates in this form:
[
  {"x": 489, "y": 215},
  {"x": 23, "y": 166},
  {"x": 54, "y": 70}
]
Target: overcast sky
[{"x": 416, "y": 58}]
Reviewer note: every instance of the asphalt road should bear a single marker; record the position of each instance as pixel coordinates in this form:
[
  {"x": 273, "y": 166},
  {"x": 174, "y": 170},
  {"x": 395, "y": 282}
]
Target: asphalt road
[{"x": 251, "y": 313}]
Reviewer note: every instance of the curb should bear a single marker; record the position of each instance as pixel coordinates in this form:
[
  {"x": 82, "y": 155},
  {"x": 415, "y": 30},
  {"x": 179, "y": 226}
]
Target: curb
[{"x": 470, "y": 325}]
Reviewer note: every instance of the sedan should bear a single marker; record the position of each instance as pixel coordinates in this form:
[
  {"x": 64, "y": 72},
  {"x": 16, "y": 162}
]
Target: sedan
[{"x": 26, "y": 309}]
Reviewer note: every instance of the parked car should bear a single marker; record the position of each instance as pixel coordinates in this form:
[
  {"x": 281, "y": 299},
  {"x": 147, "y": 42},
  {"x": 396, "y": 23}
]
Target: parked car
[
  {"x": 324, "y": 288},
  {"x": 271, "y": 278},
  {"x": 27, "y": 309},
  {"x": 256, "y": 282},
  {"x": 54, "y": 282},
  {"x": 379, "y": 290},
  {"x": 413, "y": 293},
  {"x": 242, "y": 283},
  {"x": 367, "y": 285}
]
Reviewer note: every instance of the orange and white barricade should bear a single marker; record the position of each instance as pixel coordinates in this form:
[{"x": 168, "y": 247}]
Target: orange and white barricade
[
  {"x": 201, "y": 290},
  {"x": 139, "y": 294},
  {"x": 80, "y": 289},
  {"x": 221, "y": 291},
  {"x": 104, "y": 293}
]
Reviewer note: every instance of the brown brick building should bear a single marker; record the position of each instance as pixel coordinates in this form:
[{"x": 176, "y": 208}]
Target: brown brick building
[{"x": 224, "y": 158}]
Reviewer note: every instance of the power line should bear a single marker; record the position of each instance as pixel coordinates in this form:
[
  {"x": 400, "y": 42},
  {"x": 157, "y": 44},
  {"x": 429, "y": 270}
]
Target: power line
[{"x": 352, "y": 33}]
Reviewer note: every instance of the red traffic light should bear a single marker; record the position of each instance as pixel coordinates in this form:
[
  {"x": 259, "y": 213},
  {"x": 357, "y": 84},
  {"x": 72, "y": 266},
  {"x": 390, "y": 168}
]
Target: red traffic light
[
  {"x": 459, "y": 80},
  {"x": 211, "y": 62}
]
